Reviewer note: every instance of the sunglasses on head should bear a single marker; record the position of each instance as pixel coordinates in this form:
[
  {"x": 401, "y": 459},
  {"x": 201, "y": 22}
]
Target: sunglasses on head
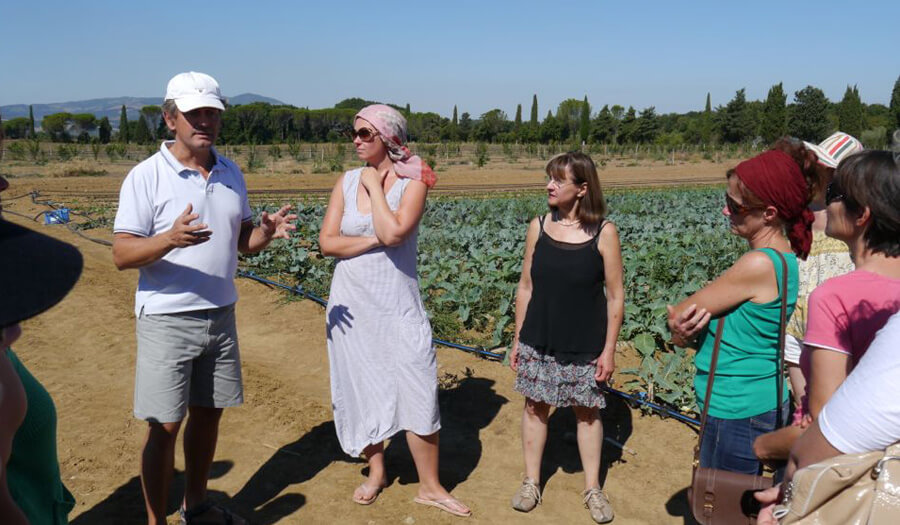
[
  {"x": 736, "y": 208},
  {"x": 364, "y": 134},
  {"x": 833, "y": 193}
]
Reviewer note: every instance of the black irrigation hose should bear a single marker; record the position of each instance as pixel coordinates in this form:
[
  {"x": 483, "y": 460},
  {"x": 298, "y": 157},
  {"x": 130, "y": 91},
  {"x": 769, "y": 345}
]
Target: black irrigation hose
[
  {"x": 640, "y": 398},
  {"x": 22, "y": 196},
  {"x": 71, "y": 228}
]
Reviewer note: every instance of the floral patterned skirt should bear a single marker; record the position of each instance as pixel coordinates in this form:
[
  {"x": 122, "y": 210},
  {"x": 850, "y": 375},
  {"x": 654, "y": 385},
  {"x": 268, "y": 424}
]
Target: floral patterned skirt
[{"x": 542, "y": 378}]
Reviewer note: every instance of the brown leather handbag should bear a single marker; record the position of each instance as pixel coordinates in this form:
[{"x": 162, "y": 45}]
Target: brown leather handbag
[{"x": 720, "y": 497}]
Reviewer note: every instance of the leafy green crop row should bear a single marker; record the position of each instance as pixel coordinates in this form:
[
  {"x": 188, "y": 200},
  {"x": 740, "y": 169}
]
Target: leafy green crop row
[{"x": 470, "y": 258}]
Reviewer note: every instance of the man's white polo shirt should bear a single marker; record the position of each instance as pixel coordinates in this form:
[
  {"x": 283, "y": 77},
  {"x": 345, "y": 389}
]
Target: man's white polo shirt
[{"x": 153, "y": 195}]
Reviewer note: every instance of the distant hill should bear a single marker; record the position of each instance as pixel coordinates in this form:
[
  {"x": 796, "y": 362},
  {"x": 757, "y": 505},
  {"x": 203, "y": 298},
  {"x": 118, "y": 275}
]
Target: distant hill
[
  {"x": 110, "y": 107},
  {"x": 249, "y": 98}
]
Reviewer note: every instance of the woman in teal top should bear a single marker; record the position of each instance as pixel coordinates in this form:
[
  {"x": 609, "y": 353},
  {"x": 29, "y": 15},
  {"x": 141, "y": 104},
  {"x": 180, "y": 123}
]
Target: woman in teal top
[
  {"x": 36, "y": 272},
  {"x": 766, "y": 204},
  {"x": 33, "y": 470}
]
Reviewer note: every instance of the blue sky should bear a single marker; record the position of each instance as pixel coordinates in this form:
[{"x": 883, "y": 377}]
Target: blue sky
[{"x": 478, "y": 55}]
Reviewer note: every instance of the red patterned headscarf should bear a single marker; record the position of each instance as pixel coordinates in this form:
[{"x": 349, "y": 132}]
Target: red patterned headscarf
[
  {"x": 391, "y": 125},
  {"x": 777, "y": 180}
]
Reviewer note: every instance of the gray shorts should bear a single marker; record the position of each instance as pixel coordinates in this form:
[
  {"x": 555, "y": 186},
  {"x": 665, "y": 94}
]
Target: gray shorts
[{"x": 186, "y": 359}]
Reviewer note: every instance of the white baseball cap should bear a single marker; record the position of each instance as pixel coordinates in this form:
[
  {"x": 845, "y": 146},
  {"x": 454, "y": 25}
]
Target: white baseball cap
[
  {"x": 835, "y": 148},
  {"x": 194, "y": 90}
]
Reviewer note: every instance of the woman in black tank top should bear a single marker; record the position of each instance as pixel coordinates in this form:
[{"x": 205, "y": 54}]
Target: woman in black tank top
[{"x": 569, "y": 309}]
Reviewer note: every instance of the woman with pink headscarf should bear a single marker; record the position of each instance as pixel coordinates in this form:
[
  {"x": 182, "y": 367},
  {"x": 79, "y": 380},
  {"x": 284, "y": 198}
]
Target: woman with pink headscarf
[{"x": 383, "y": 366}]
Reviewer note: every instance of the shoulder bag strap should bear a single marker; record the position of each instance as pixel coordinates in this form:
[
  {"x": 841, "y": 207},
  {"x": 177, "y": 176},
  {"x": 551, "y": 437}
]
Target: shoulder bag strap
[
  {"x": 709, "y": 387},
  {"x": 779, "y": 376},
  {"x": 782, "y": 324}
]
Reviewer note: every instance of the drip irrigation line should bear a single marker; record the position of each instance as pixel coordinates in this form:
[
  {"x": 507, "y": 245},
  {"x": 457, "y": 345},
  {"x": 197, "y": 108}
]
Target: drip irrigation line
[
  {"x": 299, "y": 290},
  {"x": 22, "y": 196},
  {"x": 68, "y": 225},
  {"x": 639, "y": 398}
]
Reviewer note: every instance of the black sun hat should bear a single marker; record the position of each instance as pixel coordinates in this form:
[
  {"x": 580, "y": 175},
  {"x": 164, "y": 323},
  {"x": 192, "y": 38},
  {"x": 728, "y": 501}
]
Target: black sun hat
[{"x": 36, "y": 272}]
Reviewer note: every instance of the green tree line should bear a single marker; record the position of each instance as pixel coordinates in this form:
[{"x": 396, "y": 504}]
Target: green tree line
[{"x": 809, "y": 115}]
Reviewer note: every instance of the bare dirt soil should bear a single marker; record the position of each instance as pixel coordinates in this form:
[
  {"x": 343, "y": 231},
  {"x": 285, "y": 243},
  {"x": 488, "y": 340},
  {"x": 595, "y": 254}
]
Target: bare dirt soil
[{"x": 278, "y": 459}]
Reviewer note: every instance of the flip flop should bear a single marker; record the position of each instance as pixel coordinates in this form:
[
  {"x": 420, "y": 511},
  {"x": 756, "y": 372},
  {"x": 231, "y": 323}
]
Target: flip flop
[
  {"x": 360, "y": 501},
  {"x": 444, "y": 505}
]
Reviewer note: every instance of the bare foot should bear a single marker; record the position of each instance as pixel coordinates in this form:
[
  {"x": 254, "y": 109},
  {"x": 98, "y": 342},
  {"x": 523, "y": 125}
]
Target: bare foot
[{"x": 368, "y": 492}]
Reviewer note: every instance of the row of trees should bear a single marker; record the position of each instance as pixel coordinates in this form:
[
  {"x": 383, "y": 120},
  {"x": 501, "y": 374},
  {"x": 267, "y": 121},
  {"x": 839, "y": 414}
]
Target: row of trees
[{"x": 810, "y": 115}]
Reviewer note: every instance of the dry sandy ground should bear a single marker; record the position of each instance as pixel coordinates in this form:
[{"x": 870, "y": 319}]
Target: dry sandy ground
[{"x": 278, "y": 460}]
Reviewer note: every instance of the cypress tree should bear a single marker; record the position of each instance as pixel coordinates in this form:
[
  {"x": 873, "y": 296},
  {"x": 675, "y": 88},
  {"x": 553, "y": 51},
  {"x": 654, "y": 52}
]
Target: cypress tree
[
  {"x": 774, "y": 114},
  {"x": 646, "y": 127},
  {"x": 534, "y": 109},
  {"x": 104, "y": 131},
  {"x": 455, "y": 121},
  {"x": 518, "y": 122},
  {"x": 809, "y": 115},
  {"x": 585, "y": 128},
  {"x": 851, "y": 115},
  {"x": 142, "y": 132},
  {"x": 627, "y": 127},
  {"x": 736, "y": 121},
  {"x": 895, "y": 103},
  {"x": 123, "y": 126},
  {"x": 706, "y": 122},
  {"x": 30, "y": 121},
  {"x": 407, "y": 110},
  {"x": 602, "y": 129}
]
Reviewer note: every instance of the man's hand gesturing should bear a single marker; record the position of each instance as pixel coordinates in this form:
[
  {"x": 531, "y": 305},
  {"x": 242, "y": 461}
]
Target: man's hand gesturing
[
  {"x": 184, "y": 234},
  {"x": 278, "y": 225}
]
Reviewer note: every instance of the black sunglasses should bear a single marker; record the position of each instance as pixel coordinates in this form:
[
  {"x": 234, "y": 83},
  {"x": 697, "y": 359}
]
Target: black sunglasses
[
  {"x": 833, "y": 193},
  {"x": 736, "y": 208},
  {"x": 364, "y": 134}
]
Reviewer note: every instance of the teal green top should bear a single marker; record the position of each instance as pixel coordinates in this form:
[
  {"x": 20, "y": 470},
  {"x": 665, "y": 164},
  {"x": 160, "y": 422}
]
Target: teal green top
[
  {"x": 745, "y": 384},
  {"x": 33, "y": 468}
]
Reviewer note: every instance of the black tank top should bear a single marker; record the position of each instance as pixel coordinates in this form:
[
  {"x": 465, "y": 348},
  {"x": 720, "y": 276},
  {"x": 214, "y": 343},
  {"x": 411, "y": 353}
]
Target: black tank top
[{"x": 566, "y": 315}]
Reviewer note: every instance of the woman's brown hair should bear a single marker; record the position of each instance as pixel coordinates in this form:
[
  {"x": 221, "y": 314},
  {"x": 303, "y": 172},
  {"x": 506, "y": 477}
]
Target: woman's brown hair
[
  {"x": 817, "y": 175},
  {"x": 592, "y": 207},
  {"x": 871, "y": 179}
]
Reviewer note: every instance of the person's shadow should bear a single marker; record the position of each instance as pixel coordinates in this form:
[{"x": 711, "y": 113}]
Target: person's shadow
[
  {"x": 561, "y": 449},
  {"x": 293, "y": 463},
  {"x": 126, "y": 504},
  {"x": 465, "y": 410}
]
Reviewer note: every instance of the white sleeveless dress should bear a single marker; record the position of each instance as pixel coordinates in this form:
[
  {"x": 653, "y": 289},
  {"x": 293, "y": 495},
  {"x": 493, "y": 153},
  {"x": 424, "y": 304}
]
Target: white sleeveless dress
[{"x": 383, "y": 366}]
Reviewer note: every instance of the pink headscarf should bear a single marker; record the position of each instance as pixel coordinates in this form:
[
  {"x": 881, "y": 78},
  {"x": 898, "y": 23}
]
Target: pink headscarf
[
  {"x": 776, "y": 179},
  {"x": 391, "y": 125}
]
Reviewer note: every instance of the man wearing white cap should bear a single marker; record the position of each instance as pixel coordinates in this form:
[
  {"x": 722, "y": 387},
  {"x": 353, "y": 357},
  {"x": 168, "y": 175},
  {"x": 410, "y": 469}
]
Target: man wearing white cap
[{"x": 183, "y": 216}]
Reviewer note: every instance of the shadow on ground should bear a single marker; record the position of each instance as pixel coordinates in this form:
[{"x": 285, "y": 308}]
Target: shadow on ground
[
  {"x": 293, "y": 463},
  {"x": 126, "y": 504},
  {"x": 561, "y": 450},
  {"x": 466, "y": 409}
]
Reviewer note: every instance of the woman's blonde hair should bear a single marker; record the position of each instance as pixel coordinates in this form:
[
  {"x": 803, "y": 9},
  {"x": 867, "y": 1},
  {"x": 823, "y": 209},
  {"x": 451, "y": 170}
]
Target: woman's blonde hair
[{"x": 592, "y": 207}]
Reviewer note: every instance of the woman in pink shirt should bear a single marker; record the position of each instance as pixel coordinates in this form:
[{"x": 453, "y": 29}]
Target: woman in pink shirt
[{"x": 845, "y": 312}]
